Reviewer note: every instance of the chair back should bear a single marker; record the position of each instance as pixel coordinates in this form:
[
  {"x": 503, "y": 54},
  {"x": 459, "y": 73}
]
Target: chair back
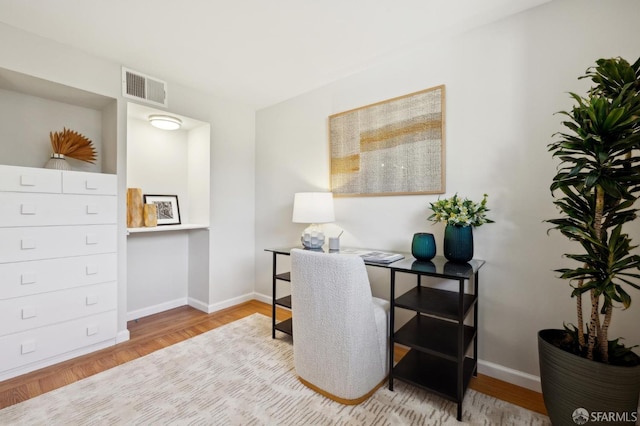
[{"x": 335, "y": 332}]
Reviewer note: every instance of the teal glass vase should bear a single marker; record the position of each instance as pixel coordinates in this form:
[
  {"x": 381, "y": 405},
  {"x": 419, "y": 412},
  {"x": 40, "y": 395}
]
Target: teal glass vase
[
  {"x": 423, "y": 246},
  {"x": 458, "y": 243}
]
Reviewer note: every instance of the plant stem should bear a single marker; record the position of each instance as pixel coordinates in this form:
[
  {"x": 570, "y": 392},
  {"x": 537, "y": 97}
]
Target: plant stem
[
  {"x": 594, "y": 328},
  {"x": 604, "y": 344},
  {"x": 581, "y": 341}
]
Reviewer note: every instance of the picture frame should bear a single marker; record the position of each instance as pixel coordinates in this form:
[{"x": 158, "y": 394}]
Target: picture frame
[
  {"x": 392, "y": 147},
  {"x": 167, "y": 208}
]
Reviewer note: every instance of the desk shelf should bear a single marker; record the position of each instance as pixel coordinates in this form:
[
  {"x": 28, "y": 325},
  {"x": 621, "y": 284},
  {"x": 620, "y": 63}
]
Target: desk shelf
[
  {"x": 433, "y": 373},
  {"x": 439, "y": 335},
  {"x": 433, "y": 301},
  {"x": 284, "y": 301},
  {"x": 166, "y": 228},
  {"x": 435, "y": 336},
  {"x": 285, "y": 276},
  {"x": 285, "y": 326}
]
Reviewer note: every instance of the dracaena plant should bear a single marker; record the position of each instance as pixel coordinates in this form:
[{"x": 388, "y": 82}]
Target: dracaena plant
[{"x": 595, "y": 189}]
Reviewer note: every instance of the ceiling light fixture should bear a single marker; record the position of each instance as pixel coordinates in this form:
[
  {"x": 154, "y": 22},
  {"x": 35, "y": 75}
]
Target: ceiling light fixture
[{"x": 165, "y": 122}]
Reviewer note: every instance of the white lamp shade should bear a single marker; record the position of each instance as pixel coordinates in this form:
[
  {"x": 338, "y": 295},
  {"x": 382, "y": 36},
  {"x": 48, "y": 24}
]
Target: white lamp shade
[{"x": 313, "y": 207}]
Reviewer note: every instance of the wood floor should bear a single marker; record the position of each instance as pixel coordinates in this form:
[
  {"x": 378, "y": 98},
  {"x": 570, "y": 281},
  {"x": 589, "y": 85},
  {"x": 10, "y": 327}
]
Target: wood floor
[{"x": 167, "y": 328}]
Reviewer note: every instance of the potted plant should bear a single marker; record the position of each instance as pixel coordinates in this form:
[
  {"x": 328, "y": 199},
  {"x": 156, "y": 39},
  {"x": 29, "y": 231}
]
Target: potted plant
[
  {"x": 460, "y": 215},
  {"x": 585, "y": 376}
]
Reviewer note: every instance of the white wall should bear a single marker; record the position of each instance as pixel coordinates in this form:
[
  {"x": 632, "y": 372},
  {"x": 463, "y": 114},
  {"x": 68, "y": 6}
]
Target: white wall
[
  {"x": 157, "y": 162},
  {"x": 25, "y": 123},
  {"x": 232, "y": 155},
  {"x": 504, "y": 83},
  {"x": 157, "y": 273}
]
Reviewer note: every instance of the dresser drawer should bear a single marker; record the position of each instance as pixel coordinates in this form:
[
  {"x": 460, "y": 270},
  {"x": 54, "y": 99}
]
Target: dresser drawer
[
  {"x": 89, "y": 183},
  {"x": 39, "y": 310},
  {"x": 20, "y": 349},
  {"x": 51, "y": 209},
  {"x": 48, "y": 242},
  {"x": 28, "y": 179},
  {"x": 38, "y": 276}
]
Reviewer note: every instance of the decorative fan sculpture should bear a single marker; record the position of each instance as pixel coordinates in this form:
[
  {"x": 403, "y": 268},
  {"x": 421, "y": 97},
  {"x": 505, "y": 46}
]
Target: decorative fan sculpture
[{"x": 72, "y": 144}]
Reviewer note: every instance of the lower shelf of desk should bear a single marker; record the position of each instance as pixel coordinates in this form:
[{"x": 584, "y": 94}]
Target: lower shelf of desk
[
  {"x": 285, "y": 326},
  {"x": 434, "y": 373},
  {"x": 284, "y": 301},
  {"x": 429, "y": 334}
]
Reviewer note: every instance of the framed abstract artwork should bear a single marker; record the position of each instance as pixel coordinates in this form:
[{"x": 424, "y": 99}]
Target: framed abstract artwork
[
  {"x": 167, "y": 208},
  {"x": 393, "y": 147}
]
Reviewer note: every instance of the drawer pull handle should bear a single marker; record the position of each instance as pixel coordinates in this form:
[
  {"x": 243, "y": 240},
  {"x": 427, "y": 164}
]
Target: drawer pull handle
[
  {"x": 90, "y": 185},
  {"x": 92, "y": 329},
  {"x": 92, "y": 209},
  {"x": 28, "y": 244},
  {"x": 92, "y": 299},
  {"x": 92, "y": 239},
  {"x": 28, "y": 312},
  {"x": 28, "y": 347},
  {"x": 28, "y": 209},
  {"x": 28, "y": 278},
  {"x": 92, "y": 269},
  {"x": 27, "y": 180}
]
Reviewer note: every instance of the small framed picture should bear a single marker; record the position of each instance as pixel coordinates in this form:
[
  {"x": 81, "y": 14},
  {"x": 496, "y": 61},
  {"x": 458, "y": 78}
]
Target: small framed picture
[{"x": 167, "y": 207}]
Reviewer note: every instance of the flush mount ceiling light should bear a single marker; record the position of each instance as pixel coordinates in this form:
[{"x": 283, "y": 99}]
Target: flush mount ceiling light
[{"x": 165, "y": 122}]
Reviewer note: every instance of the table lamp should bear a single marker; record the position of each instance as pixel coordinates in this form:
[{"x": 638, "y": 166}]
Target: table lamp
[{"x": 314, "y": 208}]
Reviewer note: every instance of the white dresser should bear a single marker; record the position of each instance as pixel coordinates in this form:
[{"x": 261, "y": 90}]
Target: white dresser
[{"x": 58, "y": 266}]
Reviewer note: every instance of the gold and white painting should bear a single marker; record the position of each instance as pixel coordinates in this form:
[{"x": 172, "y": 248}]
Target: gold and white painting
[{"x": 394, "y": 147}]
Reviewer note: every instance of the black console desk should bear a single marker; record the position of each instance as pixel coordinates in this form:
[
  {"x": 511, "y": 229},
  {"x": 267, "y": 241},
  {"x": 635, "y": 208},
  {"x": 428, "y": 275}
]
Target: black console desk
[{"x": 437, "y": 336}]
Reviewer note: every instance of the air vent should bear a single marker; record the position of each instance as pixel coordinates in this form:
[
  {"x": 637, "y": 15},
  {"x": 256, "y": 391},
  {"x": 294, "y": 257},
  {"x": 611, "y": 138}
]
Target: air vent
[{"x": 142, "y": 87}]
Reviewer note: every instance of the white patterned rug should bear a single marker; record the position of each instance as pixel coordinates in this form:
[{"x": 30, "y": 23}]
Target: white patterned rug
[{"x": 238, "y": 375}]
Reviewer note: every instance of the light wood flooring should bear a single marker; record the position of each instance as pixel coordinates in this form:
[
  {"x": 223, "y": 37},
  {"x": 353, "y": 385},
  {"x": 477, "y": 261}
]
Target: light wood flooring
[{"x": 158, "y": 331}]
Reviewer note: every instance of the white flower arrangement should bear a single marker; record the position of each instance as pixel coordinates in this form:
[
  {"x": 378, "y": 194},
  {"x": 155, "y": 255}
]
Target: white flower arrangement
[{"x": 459, "y": 211}]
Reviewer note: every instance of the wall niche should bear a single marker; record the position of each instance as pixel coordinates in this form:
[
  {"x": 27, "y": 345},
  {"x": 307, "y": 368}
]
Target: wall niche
[{"x": 167, "y": 265}]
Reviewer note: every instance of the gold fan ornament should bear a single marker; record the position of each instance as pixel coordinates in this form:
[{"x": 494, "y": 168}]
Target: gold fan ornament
[{"x": 72, "y": 144}]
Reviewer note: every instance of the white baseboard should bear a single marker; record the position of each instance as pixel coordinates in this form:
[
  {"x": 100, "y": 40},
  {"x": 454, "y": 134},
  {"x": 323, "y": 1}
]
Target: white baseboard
[
  {"x": 122, "y": 336},
  {"x": 262, "y": 298},
  {"x": 150, "y": 310},
  {"x": 197, "y": 304},
  {"x": 194, "y": 303},
  {"x": 210, "y": 308},
  {"x": 509, "y": 375}
]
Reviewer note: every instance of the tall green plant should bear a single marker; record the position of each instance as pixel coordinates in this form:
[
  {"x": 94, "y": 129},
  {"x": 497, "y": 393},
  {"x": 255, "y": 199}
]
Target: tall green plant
[{"x": 595, "y": 188}]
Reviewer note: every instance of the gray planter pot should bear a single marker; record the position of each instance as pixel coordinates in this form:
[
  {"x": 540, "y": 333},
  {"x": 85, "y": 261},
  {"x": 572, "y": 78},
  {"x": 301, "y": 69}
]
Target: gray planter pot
[{"x": 606, "y": 394}]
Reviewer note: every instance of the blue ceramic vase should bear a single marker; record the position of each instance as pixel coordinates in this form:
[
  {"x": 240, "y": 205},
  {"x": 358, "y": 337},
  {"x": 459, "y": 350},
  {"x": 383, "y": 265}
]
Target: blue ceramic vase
[
  {"x": 458, "y": 243},
  {"x": 423, "y": 246}
]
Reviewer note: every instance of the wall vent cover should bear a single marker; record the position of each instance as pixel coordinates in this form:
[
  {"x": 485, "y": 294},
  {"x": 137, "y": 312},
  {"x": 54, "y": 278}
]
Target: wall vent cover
[{"x": 136, "y": 85}]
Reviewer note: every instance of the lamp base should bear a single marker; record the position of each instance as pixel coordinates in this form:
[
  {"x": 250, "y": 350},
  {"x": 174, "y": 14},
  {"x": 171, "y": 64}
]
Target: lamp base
[{"x": 312, "y": 237}]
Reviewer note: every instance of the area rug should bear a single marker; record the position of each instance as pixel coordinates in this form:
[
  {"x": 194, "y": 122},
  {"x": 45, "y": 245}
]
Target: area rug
[{"x": 238, "y": 375}]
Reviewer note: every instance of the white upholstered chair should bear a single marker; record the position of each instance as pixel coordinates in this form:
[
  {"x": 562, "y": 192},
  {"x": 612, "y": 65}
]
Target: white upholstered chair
[{"x": 340, "y": 332}]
